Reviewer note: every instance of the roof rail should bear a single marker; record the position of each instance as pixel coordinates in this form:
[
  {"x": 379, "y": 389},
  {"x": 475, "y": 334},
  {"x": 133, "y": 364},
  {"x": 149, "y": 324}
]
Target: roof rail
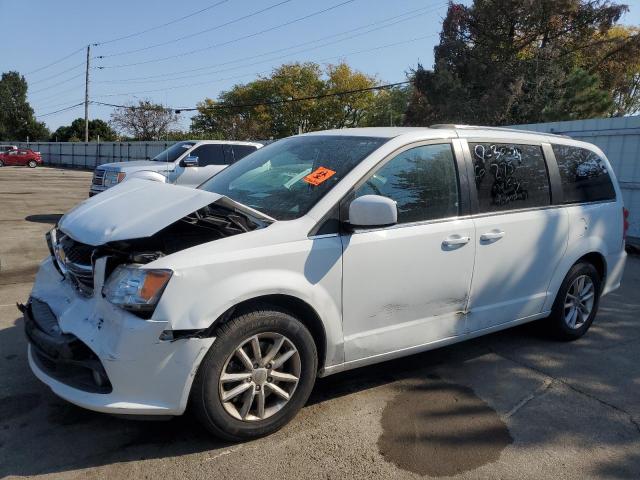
[{"x": 499, "y": 129}]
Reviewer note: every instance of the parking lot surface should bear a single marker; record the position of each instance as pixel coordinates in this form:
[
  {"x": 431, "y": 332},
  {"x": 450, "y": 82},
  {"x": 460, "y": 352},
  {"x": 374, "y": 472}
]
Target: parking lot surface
[{"x": 515, "y": 404}]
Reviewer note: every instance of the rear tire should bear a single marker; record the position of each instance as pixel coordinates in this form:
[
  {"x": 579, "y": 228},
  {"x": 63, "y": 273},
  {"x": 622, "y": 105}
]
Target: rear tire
[
  {"x": 577, "y": 302},
  {"x": 264, "y": 380},
  {"x": 32, "y": 164},
  {"x": 1, "y": 163}
]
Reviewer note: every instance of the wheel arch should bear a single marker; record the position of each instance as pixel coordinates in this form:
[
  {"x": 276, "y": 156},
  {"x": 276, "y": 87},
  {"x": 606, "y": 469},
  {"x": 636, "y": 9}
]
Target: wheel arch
[
  {"x": 594, "y": 257},
  {"x": 300, "y": 309}
]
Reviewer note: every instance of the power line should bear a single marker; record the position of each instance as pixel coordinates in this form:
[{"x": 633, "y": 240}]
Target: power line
[
  {"x": 57, "y": 74},
  {"x": 131, "y": 35},
  {"x": 244, "y": 37},
  {"x": 207, "y": 82},
  {"x": 268, "y": 103},
  {"x": 55, "y": 62},
  {"x": 72, "y": 89},
  {"x": 184, "y": 37},
  {"x": 172, "y": 75},
  {"x": 61, "y": 110},
  {"x": 56, "y": 84}
]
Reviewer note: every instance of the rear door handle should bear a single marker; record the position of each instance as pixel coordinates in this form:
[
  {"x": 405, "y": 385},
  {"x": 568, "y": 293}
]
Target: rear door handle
[
  {"x": 454, "y": 240},
  {"x": 493, "y": 235}
]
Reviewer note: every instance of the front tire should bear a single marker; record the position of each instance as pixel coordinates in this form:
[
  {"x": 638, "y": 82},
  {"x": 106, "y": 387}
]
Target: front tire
[
  {"x": 31, "y": 164},
  {"x": 257, "y": 375},
  {"x": 577, "y": 302}
]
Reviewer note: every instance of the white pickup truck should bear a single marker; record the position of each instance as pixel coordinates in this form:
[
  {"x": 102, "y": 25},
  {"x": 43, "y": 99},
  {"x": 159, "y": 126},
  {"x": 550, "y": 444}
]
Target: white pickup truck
[{"x": 187, "y": 163}]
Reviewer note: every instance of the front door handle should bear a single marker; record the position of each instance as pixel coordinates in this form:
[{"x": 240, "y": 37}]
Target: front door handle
[
  {"x": 492, "y": 235},
  {"x": 455, "y": 240}
]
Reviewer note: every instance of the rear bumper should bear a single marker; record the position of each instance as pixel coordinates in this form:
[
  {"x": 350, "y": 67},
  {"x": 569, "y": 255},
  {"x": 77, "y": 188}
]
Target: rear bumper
[{"x": 615, "y": 268}]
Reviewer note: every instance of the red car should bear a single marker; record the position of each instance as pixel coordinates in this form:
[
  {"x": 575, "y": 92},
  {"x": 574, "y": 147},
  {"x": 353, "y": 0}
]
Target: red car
[{"x": 22, "y": 157}]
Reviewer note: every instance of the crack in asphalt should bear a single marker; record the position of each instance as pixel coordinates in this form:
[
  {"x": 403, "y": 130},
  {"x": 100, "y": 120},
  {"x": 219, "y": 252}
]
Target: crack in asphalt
[
  {"x": 632, "y": 420},
  {"x": 538, "y": 392}
]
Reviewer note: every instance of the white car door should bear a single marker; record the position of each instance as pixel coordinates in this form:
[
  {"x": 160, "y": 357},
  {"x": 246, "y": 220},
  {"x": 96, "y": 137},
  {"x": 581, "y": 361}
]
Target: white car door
[
  {"x": 211, "y": 160},
  {"x": 521, "y": 236},
  {"x": 407, "y": 285}
]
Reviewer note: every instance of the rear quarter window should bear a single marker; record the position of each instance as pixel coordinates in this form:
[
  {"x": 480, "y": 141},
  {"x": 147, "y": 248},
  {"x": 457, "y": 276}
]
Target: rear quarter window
[{"x": 583, "y": 174}]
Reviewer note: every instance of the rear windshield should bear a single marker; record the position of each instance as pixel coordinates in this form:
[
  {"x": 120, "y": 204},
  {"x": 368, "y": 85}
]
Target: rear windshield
[
  {"x": 172, "y": 153},
  {"x": 285, "y": 179}
]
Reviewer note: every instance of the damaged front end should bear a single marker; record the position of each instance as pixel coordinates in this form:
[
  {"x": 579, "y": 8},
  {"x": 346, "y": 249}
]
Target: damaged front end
[{"x": 89, "y": 321}]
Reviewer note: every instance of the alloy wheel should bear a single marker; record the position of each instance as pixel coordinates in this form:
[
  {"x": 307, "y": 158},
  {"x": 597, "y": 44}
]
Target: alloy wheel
[
  {"x": 579, "y": 301},
  {"x": 259, "y": 378}
]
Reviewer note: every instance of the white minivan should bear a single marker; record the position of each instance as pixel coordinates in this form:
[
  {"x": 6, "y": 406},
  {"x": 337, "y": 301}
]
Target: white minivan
[{"x": 316, "y": 254}]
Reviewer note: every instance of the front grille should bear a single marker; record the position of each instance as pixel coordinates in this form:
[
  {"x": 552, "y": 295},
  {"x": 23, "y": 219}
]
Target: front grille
[
  {"x": 98, "y": 177},
  {"x": 74, "y": 258}
]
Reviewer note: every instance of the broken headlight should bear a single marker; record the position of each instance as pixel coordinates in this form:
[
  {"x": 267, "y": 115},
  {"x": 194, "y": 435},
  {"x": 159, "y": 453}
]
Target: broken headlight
[{"x": 134, "y": 288}]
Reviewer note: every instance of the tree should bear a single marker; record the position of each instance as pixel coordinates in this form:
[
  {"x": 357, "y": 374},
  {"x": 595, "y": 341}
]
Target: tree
[
  {"x": 75, "y": 131},
  {"x": 515, "y": 61},
  {"x": 144, "y": 121},
  {"x": 17, "y": 121},
  {"x": 270, "y": 114},
  {"x": 388, "y": 108}
]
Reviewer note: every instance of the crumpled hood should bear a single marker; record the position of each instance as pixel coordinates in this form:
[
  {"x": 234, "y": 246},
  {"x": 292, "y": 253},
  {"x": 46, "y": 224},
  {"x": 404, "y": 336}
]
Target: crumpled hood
[{"x": 133, "y": 209}]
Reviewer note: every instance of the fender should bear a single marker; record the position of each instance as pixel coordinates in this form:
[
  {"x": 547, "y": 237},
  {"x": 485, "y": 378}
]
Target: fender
[{"x": 198, "y": 295}]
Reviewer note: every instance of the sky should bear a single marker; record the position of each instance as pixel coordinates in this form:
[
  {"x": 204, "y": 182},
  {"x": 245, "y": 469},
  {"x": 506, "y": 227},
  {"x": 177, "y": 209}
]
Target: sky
[{"x": 178, "y": 53}]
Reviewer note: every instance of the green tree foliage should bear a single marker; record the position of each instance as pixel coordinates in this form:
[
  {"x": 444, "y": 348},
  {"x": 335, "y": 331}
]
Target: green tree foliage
[
  {"x": 278, "y": 119},
  {"x": 75, "y": 131},
  {"x": 388, "y": 108},
  {"x": 17, "y": 121},
  {"x": 144, "y": 121},
  {"x": 518, "y": 61}
]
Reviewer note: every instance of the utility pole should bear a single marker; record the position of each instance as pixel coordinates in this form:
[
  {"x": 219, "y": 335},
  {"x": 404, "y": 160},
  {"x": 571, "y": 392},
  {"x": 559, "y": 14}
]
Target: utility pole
[{"x": 86, "y": 97}]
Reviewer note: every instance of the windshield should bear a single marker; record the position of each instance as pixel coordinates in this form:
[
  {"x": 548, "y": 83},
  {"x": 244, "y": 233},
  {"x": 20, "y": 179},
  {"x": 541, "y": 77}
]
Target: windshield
[
  {"x": 172, "y": 153},
  {"x": 285, "y": 179}
]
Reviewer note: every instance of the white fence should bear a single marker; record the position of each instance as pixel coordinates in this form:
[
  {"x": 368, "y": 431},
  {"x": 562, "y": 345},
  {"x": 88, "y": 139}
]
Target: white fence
[
  {"x": 619, "y": 139},
  {"x": 90, "y": 155}
]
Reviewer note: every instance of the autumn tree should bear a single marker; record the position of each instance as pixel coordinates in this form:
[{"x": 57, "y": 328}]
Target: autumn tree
[
  {"x": 144, "y": 120},
  {"x": 518, "y": 61},
  {"x": 268, "y": 111}
]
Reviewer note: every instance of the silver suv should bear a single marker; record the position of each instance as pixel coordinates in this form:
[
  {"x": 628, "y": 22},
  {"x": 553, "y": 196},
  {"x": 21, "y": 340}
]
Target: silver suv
[{"x": 187, "y": 163}]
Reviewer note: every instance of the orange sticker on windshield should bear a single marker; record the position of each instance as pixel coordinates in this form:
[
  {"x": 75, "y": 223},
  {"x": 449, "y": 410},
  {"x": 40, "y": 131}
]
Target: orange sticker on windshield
[{"x": 319, "y": 175}]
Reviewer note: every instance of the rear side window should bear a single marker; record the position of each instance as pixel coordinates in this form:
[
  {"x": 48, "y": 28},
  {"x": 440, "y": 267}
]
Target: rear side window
[
  {"x": 509, "y": 176},
  {"x": 583, "y": 174},
  {"x": 212, "y": 154},
  {"x": 422, "y": 180}
]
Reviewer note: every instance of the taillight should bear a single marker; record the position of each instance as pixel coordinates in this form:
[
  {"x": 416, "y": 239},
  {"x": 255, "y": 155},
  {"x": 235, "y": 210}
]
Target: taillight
[{"x": 625, "y": 222}]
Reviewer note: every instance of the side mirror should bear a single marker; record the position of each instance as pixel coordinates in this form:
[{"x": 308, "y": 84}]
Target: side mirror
[
  {"x": 189, "y": 162},
  {"x": 373, "y": 211}
]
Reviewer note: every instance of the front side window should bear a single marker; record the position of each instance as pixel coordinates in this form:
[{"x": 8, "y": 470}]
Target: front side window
[
  {"x": 422, "y": 180},
  {"x": 509, "y": 176},
  {"x": 583, "y": 174},
  {"x": 172, "y": 153},
  {"x": 287, "y": 178},
  {"x": 211, "y": 154}
]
